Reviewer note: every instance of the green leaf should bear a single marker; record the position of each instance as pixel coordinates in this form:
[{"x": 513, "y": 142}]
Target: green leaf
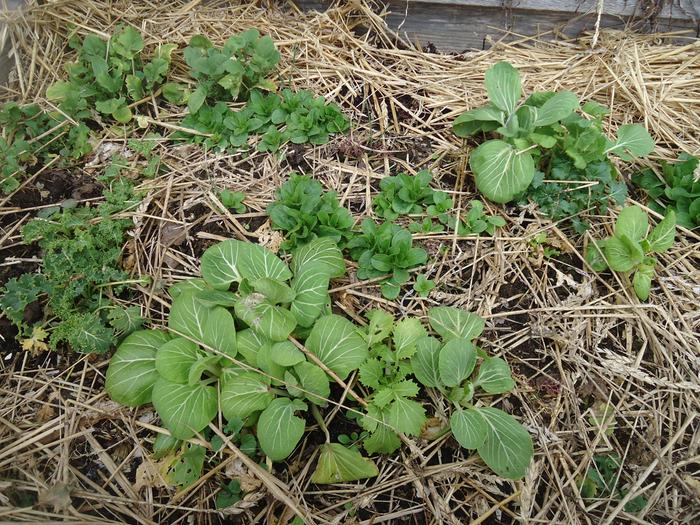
[
  {"x": 622, "y": 253},
  {"x": 279, "y": 430},
  {"x": 249, "y": 343},
  {"x": 503, "y": 86},
  {"x": 495, "y": 376},
  {"x": 311, "y": 287},
  {"x": 500, "y": 172},
  {"x": 407, "y": 416},
  {"x": 314, "y": 382},
  {"x": 338, "y": 464},
  {"x": 220, "y": 331},
  {"x": 128, "y": 43},
  {"x": 231, "y": 261},
  {"x": 485, "y": 119},
  {"x": 371, "y": 372},
  {"x": 211, "y": 298},
  {"x": 244, "y": 394},
  {"x": 469, "y": 428},
  {"x": 175, "y": 358},
  {"x": 406, "y": 333},
  {"x": 273, "y": 290},
  {"x": 126, "y": 320},
  {"x": 633, "y": 223},
  {"x": 132, "y": 369},
  {"x": 187, "y": 468},
  {"x": 184, "y": 409},
  {"x": 383, "y": 439},
  {"x": 323, "y": 251},
  {"x": 633, "y": 141},
  {"x": 425, "y": 362},
  {"x": 556, "y": 108},
  {"x": 338, "y": 344},
  {"x": 456, "y": 361},
  {"x": 663, "y": 235},
  {"x": 455, "y": 323},
  {"x": 286, "y": 354},
  {"x": 272, "y": 322},
  {"x": 188, "y": 317},
  {"x": 380, "y": 326},
  {"x": 196, "y": 99},
  {"x": 508, "y": 448},
  {"x": 642, "y": 281},
  {"x": 595, "y": 255}
]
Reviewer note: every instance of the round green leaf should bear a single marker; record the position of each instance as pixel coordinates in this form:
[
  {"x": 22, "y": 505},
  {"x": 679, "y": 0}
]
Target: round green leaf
[
  {"x": 279, "y": 430},
  {"x": 622, "y": 253},
  {"x": 338, "y": 344},
  {"x": 248, "y": 344},
  {"x": 188, "y": 316},
  {"x": 132, "y": 369},
  {"x": 314, "y": 382},
  {"x": 285, "y": 353},
  {"x": 456, "y": 361},
  {"x": 495, "y": 376},
  {"x": 311, "y": 287},
  {"x": 321, "y": 250},
  {"x": 184, "y": 409},
  {"x": 556, "y": 108},
  {"x": 508, "y": 447},
  {"x": 338, "y": 464},
  {"x": 220, "y": 331},
  {"x": 500, "y": 171},
  {"x": 503, "y": 86},
  {"x": 175, "y": 359},
  {"x": 455, "y": 323},
  {"x": 425, "y": 362},
  {"x": 633, "y": 223},
  {"x": 245, "y": 393},
  {"x": 469, "y": 428}
]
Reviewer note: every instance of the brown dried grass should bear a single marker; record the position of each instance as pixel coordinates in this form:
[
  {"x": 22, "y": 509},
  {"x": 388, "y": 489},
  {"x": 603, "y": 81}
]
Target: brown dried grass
[{"x": 572, "y": 336}]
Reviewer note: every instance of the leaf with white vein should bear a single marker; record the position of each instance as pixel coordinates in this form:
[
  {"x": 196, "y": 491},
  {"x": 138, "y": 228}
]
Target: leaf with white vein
[{"x": 338, "y": 344}]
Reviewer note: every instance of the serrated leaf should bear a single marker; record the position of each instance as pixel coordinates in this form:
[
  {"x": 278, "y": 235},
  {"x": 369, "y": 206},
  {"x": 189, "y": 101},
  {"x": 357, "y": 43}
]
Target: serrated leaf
[
  {"x": 406, "y": 333},
  {"x": 311, "y": 287},
  {"x": 323, "y": 251},
  {"x": 371, "y": 372},
  {"x": 495, "y": 376},
  {"x": 184, "y": 409},
  {"x": 132, "y": 369},
  {"x": 383, "y": 439},
  {"x": 244, "y": 394},
  {"x": 338, "y": 464},
  {"x": 380, "y": 326},
  {"x": 407, "y": 416},
  {"x": 456, "y": 361},
  {"x": 469, "y": 428},
  {"x": 500, "y": 171},
  {"x": 663, "y": 235},
  {"x": 314, "y": 382},
  {"x": 502, "y": 82},
  {"x": 126, "y": 320},
  {"x": 279, "y": 430},
  {"x": 633, "y": 223},
  {"x": 455, "y": 323},
  {"x": 425, "y": 362},
  {"x": 175, "y": 358},
  {"x": 508, "y": 448},
  {"x": 338, "y": 344}
]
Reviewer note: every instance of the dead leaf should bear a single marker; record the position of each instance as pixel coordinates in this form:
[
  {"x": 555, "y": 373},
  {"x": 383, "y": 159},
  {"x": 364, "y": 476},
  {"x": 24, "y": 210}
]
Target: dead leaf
[
  {"x": 237, "y": 470},
  {"x": 35, "y": 344},
  {"x": 173, "y": 234},
  {"x": 45, "y": 413},
  {"x": 270, "y": 239},
  {"x": 57, "y": 497},
  {"x": 694, "y": 484},
  {"x": 152, "y": 474}
]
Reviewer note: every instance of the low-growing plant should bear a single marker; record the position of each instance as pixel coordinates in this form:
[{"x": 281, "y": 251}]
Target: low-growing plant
[
  {"x": 476, "y": 221},
  {"x": 233, "y": 200},
  {"x": 423, "y": 286},
  {"x": 407, "y": 194},
  {"x": 109, "y": 75},
  {"x": 81, "y": 250},
  {"x": 631, "y": 247},
  {"x": 258, "y": 373},
  {"x": 303, "y": 211},
  {"x": 543, "y": 142},
  {"x": 677, "y": 190},
  {"x": 385, "y": 251},
  {"x": 602, "y": 480}
]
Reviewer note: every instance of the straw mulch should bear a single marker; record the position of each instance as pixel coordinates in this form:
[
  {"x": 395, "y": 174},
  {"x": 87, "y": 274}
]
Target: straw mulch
[{"x": 573, "y": 338}]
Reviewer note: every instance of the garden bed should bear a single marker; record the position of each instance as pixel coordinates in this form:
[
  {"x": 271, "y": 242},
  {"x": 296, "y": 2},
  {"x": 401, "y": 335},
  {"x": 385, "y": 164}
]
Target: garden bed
[{"x": 576, "y": 340}]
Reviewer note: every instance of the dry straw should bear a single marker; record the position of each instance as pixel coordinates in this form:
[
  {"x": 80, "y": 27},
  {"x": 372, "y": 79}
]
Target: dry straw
[{"x": 574, "y": 338}]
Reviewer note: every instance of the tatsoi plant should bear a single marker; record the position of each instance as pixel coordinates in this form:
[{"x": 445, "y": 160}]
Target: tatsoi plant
[
  {"x": 256, "y": 373},
  {"x": 385, "y": 251},
  {"x": 539, "y": 134},
  {"x": 423, "y": 285},
  {"x": 476, "y": 221},
  {"x": 602, "y": 480},
  {"x": 109, "y": 75},
  {"x": 81, "y": 248},
  {"x": 31, "y": 136},
  {"x": 303, "y": 211},
  {"x": 233, "y": 200},
  {"x": 449, "y": 364},
  {"x": 677, "y": 190},
  {"x": 409, "y": 195},
  {"x": 631, "y": 247},
  {"x": 391, "y": 406}
]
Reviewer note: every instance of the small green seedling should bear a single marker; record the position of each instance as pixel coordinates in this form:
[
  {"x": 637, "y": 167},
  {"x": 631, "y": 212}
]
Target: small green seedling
[
  {"x": 423, "y": 286},
  {"x": 602, "y": 480},
  {"x": 631, "y": 247},
  {"x": 233, "y": 200},
  {"x": 410, "y": 195},
  {"x": 476, "y": 221}
]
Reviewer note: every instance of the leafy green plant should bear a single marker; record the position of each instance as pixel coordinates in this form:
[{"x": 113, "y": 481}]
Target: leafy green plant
[
  {"x": 410, "y": 194},
  {"x": 385, "y": 251},
  {"x": 110, "y": 74},
  {"x": 423, "y": 285},
  {"x": 303, "y": 211},
  {"x": 257, "y": 374},
  {"x": 602, "y": 481},
  {"x": 476, "y": 221},
  {"x": 540, "y": 243},
  {"x": 677, "y": 190},
  {"x": 229, "y": 495},
  {"x": 543, "y": 138},
  {"x": 448, "y": 364},
  {"x": 81, "y": 250},
  {"x": 391, "y": 406},
  {"x": 233, "y": 200},
  {"x": 631, "y": 247}
]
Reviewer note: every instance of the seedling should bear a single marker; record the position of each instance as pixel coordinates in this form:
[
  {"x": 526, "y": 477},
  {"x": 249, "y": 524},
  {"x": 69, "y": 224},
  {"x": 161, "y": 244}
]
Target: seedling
[
  {"x": 631, "y": 248},
  {"x": 233, "y": 200},
  {"x": 410, "y": 195},
  {"x": 423, "y": 286},
  {"x": 602, "y": 480},
  {"x": 476, "y": 221}
]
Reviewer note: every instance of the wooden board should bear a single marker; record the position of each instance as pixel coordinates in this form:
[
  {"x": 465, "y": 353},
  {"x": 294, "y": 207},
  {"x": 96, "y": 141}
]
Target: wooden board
[{"x": 458, "y": 25}]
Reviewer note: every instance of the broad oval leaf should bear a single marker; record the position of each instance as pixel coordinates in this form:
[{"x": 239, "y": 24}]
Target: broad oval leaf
[
  {"x": 338, "y": 344},
  {"x": 322, "y": 250},
  {"x": 245, "y": 393},
  {"x": 338, "y": 464},
  {"x": 486, "y": 118},
  {"x": 500, "y": 171},
  {"x": 425, "y": 362},
  {"x": 311, "y": 287},
  {"x": 633, "y": 140},
  {"x": 495, "y": 376},
  {"x": 469, "y": 428},
  {"x": 508, "y": 448},
  {"x": 456, "y": 361},
  {"x": 274, "y": 291},
  {"x": 642, "y": 281},
  {"x": 406, "y": 333},
  {"x": 231, "y": 261},
  {"x": 188, "y": 316},
  {"x": 175, "y": 359},
  {"x": 132, "y": 369},
  {"x": 272, "y": 322},
  {"x": 279, "y": 430},
  {"x": 221, "y": 331},
  {"x": 632, "y": 222},
  {"x": 184, "y": 409},
  {"x": 455, "y": 323},
  {"x": 314, "y": 382},
  {"x": 622, "y": 253},
  {"x": 248, "y": 344},
  {"x": 556, "y": 108},
  {"x": 196, "y": 285},
  {"x": 267, "y": 365},
  {"x": 285, "y": 353},
  {"x": 211, "y": 298},
  {"x": 503, "y": 86},
  {"x": 663, "y": 235}
]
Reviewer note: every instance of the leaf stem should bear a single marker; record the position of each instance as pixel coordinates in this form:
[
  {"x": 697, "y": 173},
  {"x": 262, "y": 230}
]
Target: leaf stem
[{"x": 320, "y": 421}]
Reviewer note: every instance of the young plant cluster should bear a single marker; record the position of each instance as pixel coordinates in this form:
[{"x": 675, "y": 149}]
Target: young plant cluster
[
  {"x": 547, "y": 151},
  {"x": 677, "y": 190},
  {"x": 631, "y": 247}
]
